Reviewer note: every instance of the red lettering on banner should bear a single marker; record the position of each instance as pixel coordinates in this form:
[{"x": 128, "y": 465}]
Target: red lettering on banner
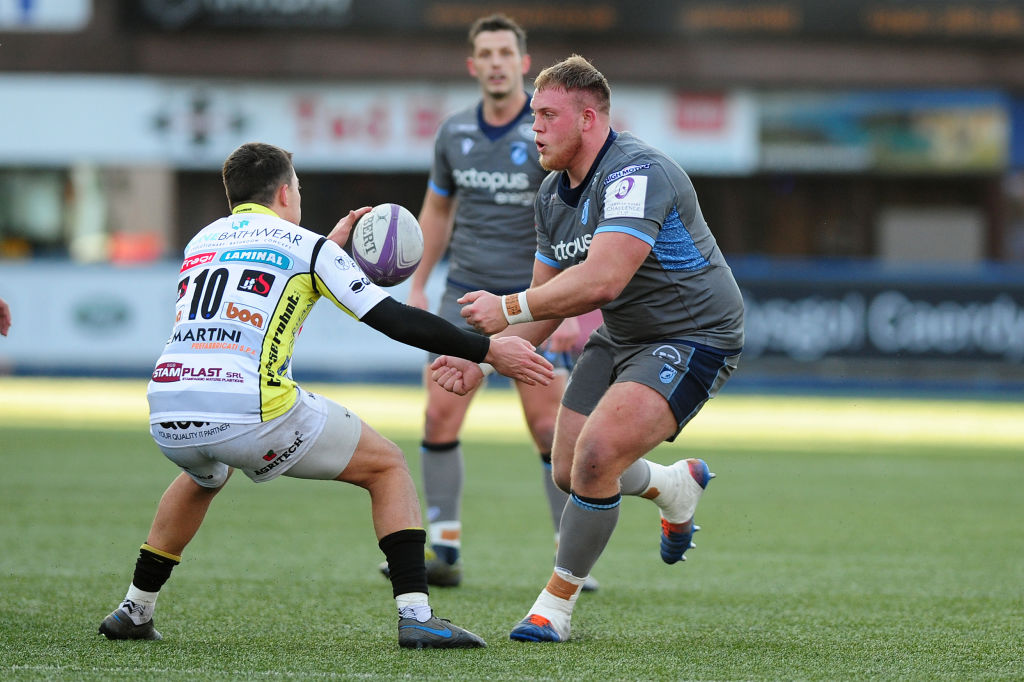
[{"x": 700, "y": 112}]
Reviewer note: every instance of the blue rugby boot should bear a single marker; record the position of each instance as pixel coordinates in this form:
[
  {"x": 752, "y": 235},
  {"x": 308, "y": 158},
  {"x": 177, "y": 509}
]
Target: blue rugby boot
[
  {"x": 678, "y": 502},
  {"x": 536, "y": 628}
]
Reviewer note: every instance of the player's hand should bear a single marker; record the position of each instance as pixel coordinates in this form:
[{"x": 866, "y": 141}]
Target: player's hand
[
  {"x": 5, "y": 317},
  {"x": 343, "y": 229},
  {"x": 483, "y": 310},
  {"x": 515, "y": 358},
  {"x": 456, "y": 375},
  {"x": 418, "y": 298},
  {"x": 564, "y": 338}
]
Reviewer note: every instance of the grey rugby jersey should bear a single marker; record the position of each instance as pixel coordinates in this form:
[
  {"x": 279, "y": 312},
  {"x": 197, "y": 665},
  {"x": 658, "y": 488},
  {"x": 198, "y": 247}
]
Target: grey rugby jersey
[
  {"x": 493, "y": 173},
  {"x": 684, "y": 289}
]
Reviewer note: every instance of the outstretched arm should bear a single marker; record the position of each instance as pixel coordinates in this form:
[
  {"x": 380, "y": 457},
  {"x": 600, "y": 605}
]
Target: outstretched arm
[
  {"x": 612, "y": 260},
  {"x": 511, "y": 356}
]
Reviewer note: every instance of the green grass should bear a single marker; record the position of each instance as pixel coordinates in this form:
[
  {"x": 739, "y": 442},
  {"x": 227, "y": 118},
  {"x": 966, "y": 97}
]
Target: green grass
[{"x": 845, "y": 538}]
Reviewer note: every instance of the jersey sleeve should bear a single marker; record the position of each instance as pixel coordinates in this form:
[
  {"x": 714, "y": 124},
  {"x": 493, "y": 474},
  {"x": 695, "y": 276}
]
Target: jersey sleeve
[
  {"x": 338, "y": 278},
  {"x": 545, "y": 252},
  {"x": 636, "y": 203},
  {"x": 440, "y": 179}
]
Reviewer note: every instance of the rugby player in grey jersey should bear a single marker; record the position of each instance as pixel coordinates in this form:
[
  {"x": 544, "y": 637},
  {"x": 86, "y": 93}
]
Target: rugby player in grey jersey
[
  {"x": 479, "y": 206},
  {"x": 619, "y": 228}
]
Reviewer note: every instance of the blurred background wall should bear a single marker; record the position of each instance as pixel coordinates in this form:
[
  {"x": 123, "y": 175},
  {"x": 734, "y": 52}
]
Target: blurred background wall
[{"x": 861, "y": 163}]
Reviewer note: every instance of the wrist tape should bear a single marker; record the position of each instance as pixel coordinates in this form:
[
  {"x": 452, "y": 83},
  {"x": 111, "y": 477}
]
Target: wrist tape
[{"x": 515, "y": 308}]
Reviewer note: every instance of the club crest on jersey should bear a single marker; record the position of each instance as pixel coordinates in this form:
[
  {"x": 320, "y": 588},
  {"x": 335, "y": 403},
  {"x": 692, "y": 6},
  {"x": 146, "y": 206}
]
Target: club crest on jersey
[
  {"x": 517, "y": 152},
  {"x": 667, "y": 374},
  {"x": 467, "y": 145},
  {"x": 585, "y": 216},
  {"x": 265, "y": 256}
]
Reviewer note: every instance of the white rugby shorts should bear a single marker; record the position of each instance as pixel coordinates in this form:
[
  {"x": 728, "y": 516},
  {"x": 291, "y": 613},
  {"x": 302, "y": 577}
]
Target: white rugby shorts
[{"x": 315, "y": 439}]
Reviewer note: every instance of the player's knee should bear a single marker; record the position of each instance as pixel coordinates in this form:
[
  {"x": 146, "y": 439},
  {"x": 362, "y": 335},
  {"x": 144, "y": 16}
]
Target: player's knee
[
  {"x": 383, "y": 460},
  {"x": 392, "y": 456},
  {"x": 593, "y": 462},
  {"x": 442, "y": 422},
  {"x": 543, "y": 431}
]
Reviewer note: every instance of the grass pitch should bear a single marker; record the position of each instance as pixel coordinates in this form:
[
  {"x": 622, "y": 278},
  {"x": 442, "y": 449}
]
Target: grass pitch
[{"x": 845, "y": 538}]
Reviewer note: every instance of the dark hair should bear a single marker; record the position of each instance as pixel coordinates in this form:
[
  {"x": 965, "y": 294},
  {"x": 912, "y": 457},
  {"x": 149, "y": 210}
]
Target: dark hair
[
  {"x": 498, "y": 22},
  {"x": 254, "y": 171},
  {"x": 577, "y": 74}
]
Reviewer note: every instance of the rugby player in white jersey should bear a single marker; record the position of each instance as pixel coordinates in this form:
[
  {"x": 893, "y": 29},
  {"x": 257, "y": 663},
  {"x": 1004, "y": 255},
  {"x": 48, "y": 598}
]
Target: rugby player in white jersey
[
  {"x": 222, "y": 395},
  {"x": 618, "y": 228}
]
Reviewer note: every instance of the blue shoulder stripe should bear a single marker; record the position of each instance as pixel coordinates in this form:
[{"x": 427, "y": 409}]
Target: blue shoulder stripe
[
  {"x": 442, "y": 192},
  {"x": 547, "y": 261},
  {"x": 627, "y": 230}
]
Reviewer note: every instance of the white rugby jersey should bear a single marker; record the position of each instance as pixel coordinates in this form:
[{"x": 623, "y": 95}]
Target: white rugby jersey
[{"x": 247, "y": 283}]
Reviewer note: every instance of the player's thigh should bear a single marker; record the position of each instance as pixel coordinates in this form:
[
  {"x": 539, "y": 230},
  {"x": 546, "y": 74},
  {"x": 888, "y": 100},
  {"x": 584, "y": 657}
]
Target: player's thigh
[
  {"x": 686, "y": 375},
  {"x": 333, "y": 449},
  {"x": 567, "y": 431},
  {"x": 540, "y": 409},
  {"x": 445, "y": 412},
  {"x": 630, "y": 420}
]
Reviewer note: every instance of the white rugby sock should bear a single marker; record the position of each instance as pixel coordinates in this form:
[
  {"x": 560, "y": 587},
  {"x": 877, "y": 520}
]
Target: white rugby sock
[
  {"x": 557, "y": 600},
  {"x": 446, "y": 539},
  {"x": 414, "y": 605},
  {"x": 139, "y": 604},
  {"x": 660, "y": 479}
]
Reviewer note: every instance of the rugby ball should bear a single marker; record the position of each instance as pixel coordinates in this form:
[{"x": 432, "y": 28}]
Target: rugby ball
[{"x": 387, "y": 243}]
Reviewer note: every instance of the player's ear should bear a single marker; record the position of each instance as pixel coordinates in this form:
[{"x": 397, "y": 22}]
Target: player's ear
[
  {"x": 589, "y": 117},
  {"x": 470, "y": 66},
  {"x": 526, "y": 64},
  {"x": 282, "y": 194}
]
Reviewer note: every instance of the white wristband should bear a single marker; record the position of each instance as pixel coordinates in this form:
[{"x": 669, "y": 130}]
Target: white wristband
[
  {"x": 515, "y": 308},
  {"x": 487, "y": 368}
]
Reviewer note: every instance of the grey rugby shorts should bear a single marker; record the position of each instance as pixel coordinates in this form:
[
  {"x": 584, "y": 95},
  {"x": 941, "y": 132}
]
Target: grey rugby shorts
[{"x": 686, "y": 374}]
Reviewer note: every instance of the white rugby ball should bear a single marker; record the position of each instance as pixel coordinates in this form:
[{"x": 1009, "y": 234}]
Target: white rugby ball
[{"x": 387, "y": 243}]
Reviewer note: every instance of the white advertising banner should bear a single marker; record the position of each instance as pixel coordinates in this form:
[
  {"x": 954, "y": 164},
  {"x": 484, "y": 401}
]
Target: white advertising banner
[
  {"x": 63, "y": 16},
  {"x": 115, "y": 320},
  {"x": 59, "y": 120}
]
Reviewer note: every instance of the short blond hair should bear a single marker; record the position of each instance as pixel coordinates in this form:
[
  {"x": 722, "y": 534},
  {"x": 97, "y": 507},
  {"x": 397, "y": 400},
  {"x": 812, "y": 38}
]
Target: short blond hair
[{"x": 576, "y": 74}]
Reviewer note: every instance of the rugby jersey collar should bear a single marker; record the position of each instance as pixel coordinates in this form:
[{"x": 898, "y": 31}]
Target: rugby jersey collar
[
  {"x": 494, "y": 133},
  {"x": 253, "y": 208},
  {"x": 571, "y": 195}
]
